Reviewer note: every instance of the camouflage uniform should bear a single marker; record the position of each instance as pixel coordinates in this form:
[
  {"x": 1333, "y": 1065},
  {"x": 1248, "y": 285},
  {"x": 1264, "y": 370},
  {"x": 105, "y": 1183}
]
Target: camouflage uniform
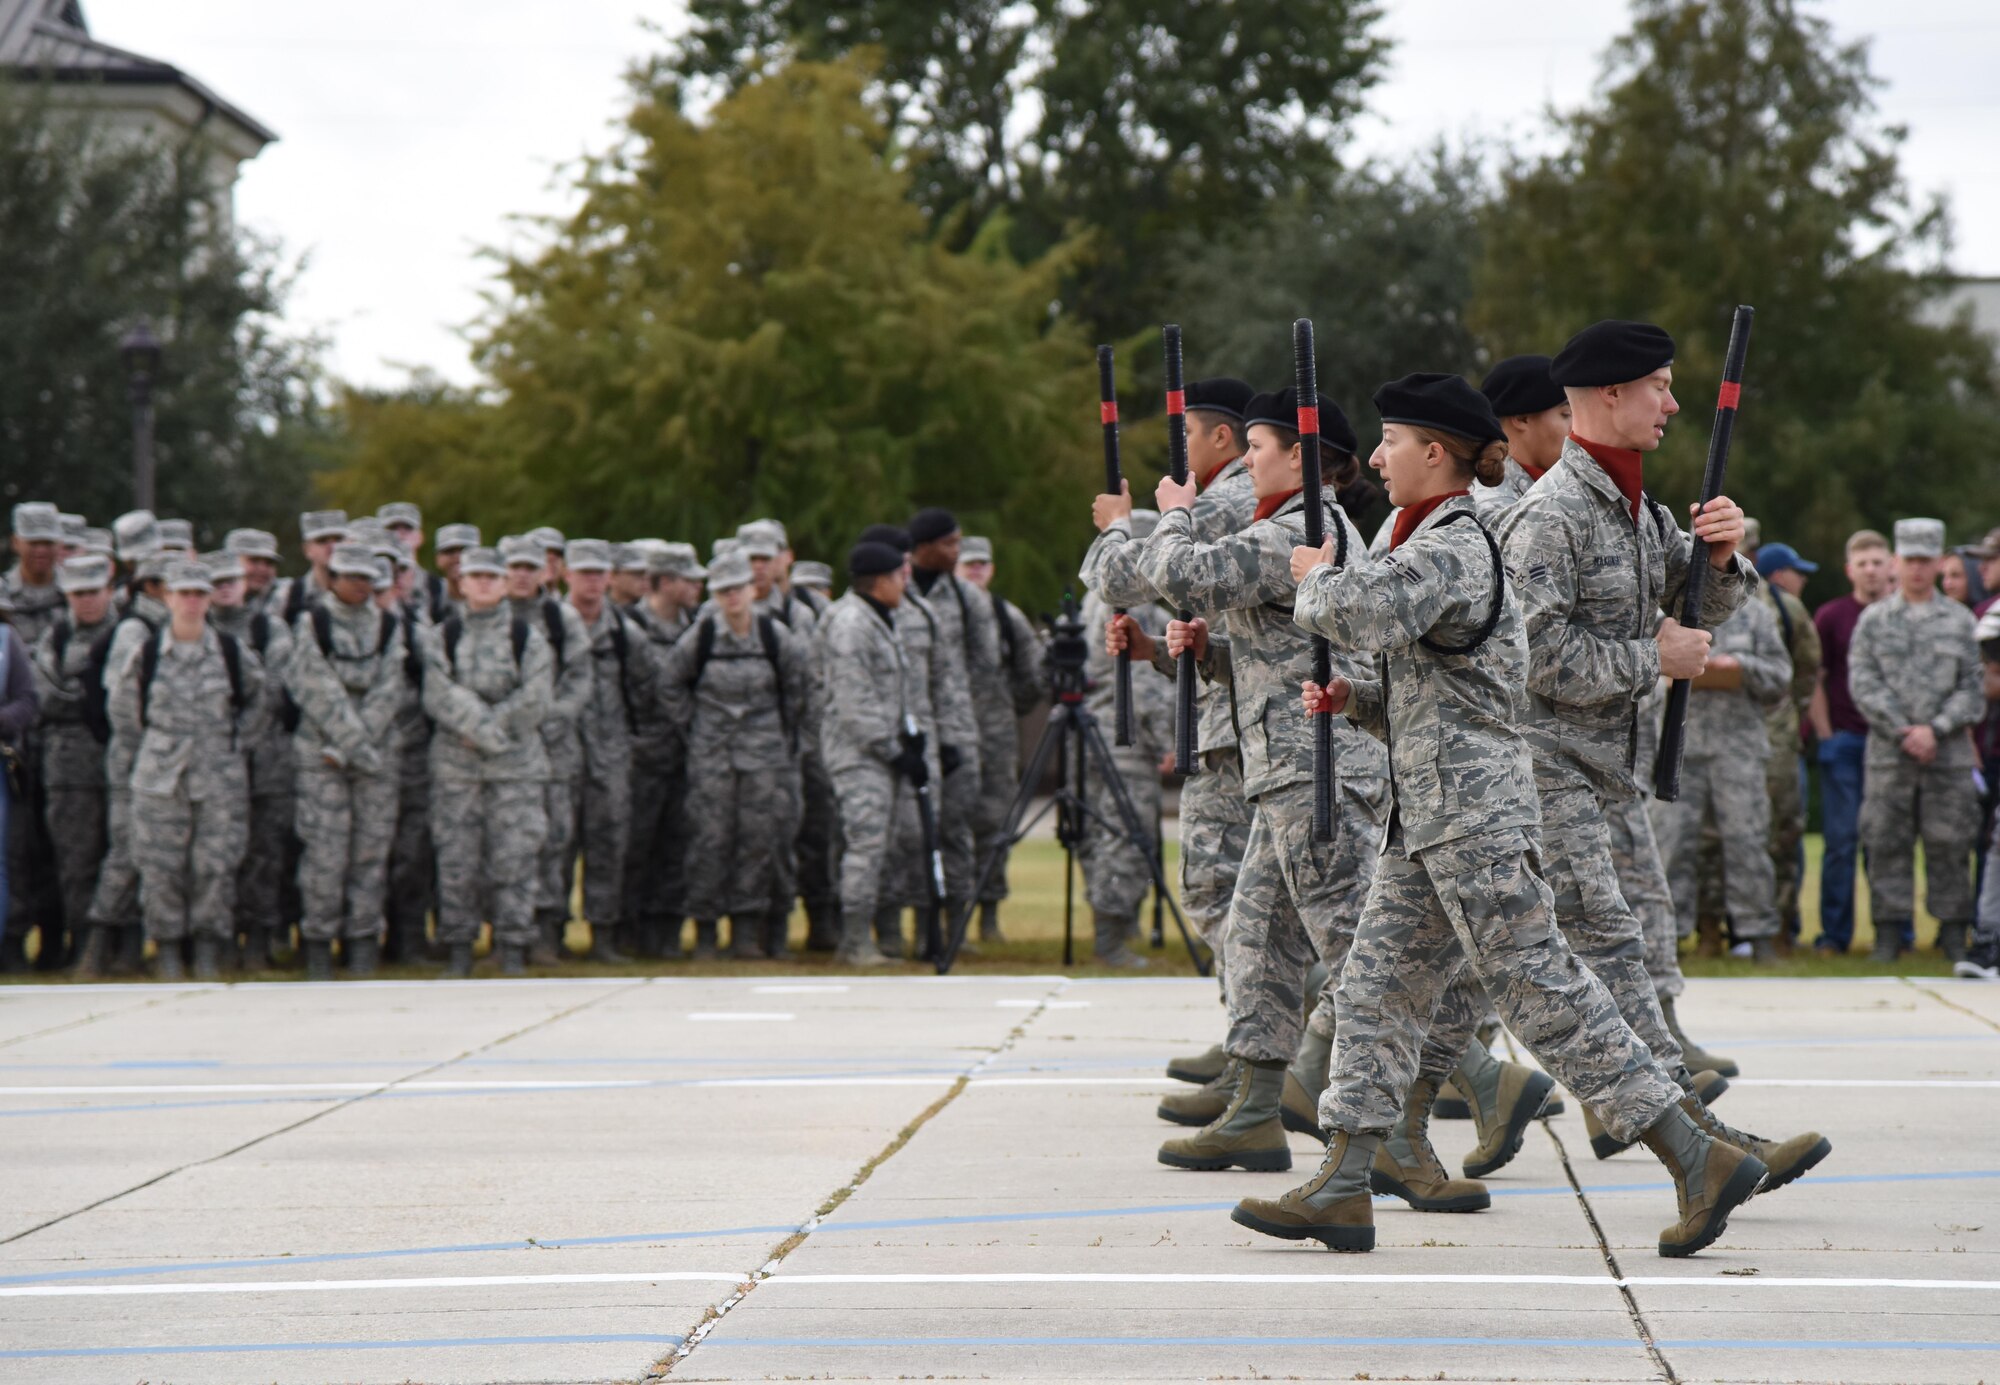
[
  {"x": 412, "y": 858},
  {"x": 625, "y": 679},
  {"x": 932, "y": 636},
  {"x": 1458, "y": 876},
  {"x": 190, "y": 781},
  {"x": 1722, "y": 776},
  {"x": 741, "y": 715},
  {"x": 115, "y": 901},
  {"x": 809, "y": 867},
  {"x": 34, "y": 870},
  {"x": 655, "y": 888},
  {"x": 864, "y": 686},
  {"x": 1214, "y": 811},
  {"x": 1917, "y": 665},
  {"x": 1641, "y": 871},
  {"x": 72, "y": 762},
  {"x": 350, "y": 696},
  {"x": 1490, "y": 502},
  {"x": 489, "y": 770},
  {"x": 1115, "y": 876},
  {"x": 1000, "y": 703},
  {"x": 1296, "y": 900},
  {"x": 1781, "y": 777},
  {"x": 562, "y": 804},
  {"x": 261, "y": 880},
  {"x": 1592, "y": 583}
]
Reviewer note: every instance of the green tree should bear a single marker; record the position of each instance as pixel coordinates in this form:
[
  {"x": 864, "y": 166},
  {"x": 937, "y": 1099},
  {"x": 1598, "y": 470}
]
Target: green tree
[
  {"x": 96, "y": 232},
  {"x": 748, "y": 315},
  {"x": 1734, "y": 157}
]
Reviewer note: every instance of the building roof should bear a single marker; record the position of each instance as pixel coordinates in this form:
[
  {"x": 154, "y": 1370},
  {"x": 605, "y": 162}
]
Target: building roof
[{"x": 51, "y": 38}]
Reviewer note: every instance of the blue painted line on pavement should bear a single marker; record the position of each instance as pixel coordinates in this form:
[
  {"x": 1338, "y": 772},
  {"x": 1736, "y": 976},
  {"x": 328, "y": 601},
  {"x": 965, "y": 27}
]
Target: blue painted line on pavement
[{"x": 243, "y": 1348}]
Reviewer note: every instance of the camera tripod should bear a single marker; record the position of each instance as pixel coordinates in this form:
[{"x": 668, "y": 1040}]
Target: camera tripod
[{"x": 1073, "y": 734}]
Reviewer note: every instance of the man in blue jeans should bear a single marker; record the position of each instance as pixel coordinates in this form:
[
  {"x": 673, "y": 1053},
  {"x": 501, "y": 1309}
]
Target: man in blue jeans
[{"x": 1842, "y": 734}]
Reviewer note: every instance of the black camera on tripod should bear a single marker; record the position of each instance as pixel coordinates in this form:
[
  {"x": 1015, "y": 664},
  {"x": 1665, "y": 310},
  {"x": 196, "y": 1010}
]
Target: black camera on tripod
[{"x": 1069, "y": 651}]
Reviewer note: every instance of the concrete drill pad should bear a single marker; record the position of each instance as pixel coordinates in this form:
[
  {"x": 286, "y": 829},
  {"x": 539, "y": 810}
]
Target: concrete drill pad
[{"x": 604, "y": 1159}]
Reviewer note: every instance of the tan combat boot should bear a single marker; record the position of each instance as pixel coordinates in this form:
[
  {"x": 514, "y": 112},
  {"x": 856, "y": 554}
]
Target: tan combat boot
[
  {"x": 1407, "y": 1167},
  {"x": 1786, "y": 1159},
  {"x": 1505, "y": 1098},
  {"x": 1246, "y": 1136},
  {"x": 1711, "y": 1180},
  {"x": 1305, "y": 1079},
  {"x": 1201, "y": 1069},
  {"x": 1697, "y": 1058},
  {"x": 1204, "y": 1104},
  {"x": 1708, "y": 1086},
  {"x": 1332, "y": 1207}
]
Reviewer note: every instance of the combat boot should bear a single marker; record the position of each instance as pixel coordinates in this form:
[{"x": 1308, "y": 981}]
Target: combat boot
[
  {"x": 513, "y": 959},
  {"x": 822, "y": 925},
  {"x": 1332, "y": 1207},
  {"x": 604, "y": 946},
  {"x": 207, "y": 957},
  {"x": 1505, "y": 1098},
  {"x": 364, "y": 955},
  {"x": 1246, "y": 1135},
  {"x": 1451, "y": 1105},
  {"x": 1785, "y": 1160},
  {"x": 256, "y": 948},
  {"x": 1951, "y": 941},
  {"x": 168, "y": 964},
  {"x": 1697, "y": 1058},
  {"x": 319, "y": 959},
  {"x": 1111, "y": 931},
  {"x": 1201, "y": 1069},
  {"x": 1205, "y": 1103},
  {"x": 1711, "y": 1180},
  {"x": 1980, "y": 963},
  {"x": 1305, "y": 1079},
  {"x": 458, "y": 963},
  {"x": 546, "y": 949},
  {"x": 1407, "y": 1167},
  {"x": 745, "y": 941},
  {"x": 1888, "y": 941},
  {"x": 130, "y": 957},
  {"x": 1710, "y": 937},
  {"x": 93, "y": 955},
  {"x": 777, "y": 935},
  {"x": 1708, "y": 1086},
  {"x": 989, "y": 922}
]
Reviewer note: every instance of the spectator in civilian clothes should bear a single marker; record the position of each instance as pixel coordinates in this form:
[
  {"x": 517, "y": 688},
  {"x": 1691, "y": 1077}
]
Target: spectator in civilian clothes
[
  {"x": 1959, "y": 576},
  {"x": 1842, "y": 733}
]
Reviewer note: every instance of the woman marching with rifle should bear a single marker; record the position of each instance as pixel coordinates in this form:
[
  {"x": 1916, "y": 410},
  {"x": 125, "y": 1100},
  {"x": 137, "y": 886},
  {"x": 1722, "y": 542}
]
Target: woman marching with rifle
[{"x": 1459, "y": 876}]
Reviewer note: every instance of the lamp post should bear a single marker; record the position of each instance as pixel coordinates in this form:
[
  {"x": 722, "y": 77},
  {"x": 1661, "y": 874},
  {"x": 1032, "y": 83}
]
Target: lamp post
[{"x": 140, "y": 350}]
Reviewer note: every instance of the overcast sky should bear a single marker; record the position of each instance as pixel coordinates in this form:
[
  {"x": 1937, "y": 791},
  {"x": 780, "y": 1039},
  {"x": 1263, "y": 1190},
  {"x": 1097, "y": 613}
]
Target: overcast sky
[{"x": 411, "y": 132}]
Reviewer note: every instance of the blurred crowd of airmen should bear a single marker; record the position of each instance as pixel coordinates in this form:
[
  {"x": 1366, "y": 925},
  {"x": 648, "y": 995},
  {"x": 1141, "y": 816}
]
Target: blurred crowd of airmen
[{"x": 215, "y": 754}]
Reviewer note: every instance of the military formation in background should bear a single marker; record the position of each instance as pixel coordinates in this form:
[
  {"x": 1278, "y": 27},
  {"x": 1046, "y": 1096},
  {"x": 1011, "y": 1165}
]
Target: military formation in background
[{"x": 207, "y": 756}]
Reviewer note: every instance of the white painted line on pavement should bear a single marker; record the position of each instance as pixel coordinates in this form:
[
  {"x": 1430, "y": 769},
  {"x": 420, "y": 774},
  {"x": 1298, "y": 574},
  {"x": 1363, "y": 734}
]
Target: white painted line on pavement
[{"x": 743, "y": 1016}]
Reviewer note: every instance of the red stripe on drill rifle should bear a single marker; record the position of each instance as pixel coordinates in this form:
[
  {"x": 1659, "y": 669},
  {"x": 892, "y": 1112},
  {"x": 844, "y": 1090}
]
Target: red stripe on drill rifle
[
  {"x": 1176, "y": 401},
  {"x": 1108, "y": 411},
  {"x": 1308, "y": 419},
  {"x": 1727, "y": 396}
]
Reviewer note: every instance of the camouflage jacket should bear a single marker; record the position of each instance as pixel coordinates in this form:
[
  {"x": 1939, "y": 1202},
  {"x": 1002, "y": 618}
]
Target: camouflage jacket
[
  {"x": 1458, "y": 765},
  {"x": 487, "y": 705},
  {"x": 1490, "y": 502},
  {"x": 1152, "y": 698},
  {"x": 658, "y": 741},
  {"x": 966, "y": 624},
  {"x": 626, "y": 680},
  {"x": 864, "y": 685},
  {"x": 1245, "y": 579},
  {"x": 1916, "y": 666},
  {"x": 739, "y": 709},
  {"x": 1728, "y": 723},
  {"x": 572, "y": 690},
  {"x": 35, "y": 608},
  {"x": 1801, "y": 639},
  {"x": 792, "y": 609},
  {"x": 999, "y": 702},
  {"x": 1592, "y": 586},
  {"x": 938, "y": 662},
  {"x": 72, "y": 756},
  {"x": 192, "y": 733},
  {"x": 351, "y": 693},
  {"x": 1112, "y": 568},
  {"x": 272, "y": 770},
  {"x": 131, "y": 631}
]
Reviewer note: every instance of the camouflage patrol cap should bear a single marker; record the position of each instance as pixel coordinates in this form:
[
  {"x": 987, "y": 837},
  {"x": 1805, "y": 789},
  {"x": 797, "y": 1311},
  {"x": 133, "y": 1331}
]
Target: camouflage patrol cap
[
  {"x": 252, "y": 543},
  {"x": 676, "y": 560},
  {"x": 815, "y": 575},
  {"x": 548, "y": 537},
  {"x": 100, "y": 542},
  {"x": 137, "y": 534},
  {"x": 177, "y": 534},
  {"x": 401, "y": 512},
  {"x": 777, "y": 528},
  {"x": 72, "y": 527},
  {"x": 521, "y": 550},
  {"x": 1919, "y": 538},
  {"x": 223, "y": 566},
  {"x": 971, "y": 549},
  {"x": 187, "y": 575},
  {"x": 152, "y": 567},
  {"x": 722, "y": 548},
  {"x": 730, "y": 570},
  {"x": 629, "y": 557},
  {"x": 315, "y": 525},
  {"x": 352, "y": 560},
  {"x": 480, "y": 559},
  {"x": 455, "y": 536},
  {"x": 761, "y": 538},
  {"x": 87, "y": 572},
  {"x": 37, "y": 521},
  {"x": 587, "y": 555}
]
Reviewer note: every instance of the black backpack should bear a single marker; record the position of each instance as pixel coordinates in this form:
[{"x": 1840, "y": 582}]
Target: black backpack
[
  {"x": 232, "y": 660},
  {"x": 453, "y": 630},
  {"x": 322, "y": 627},
  {"x": 767, "y": 635},
  {"x": 96, "y": 714}
]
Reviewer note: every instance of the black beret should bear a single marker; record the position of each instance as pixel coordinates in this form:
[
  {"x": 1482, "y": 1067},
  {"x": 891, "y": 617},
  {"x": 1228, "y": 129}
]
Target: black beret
[
  {"x": 1282, "y": 409},
  {"x": 1447, "y": 403},
  {"x": 1521, "y": 385},
  {"x": 926, "y": 525},
  {"x": 871, "y": 559},
  {"x": 1222, "y": 395},
  {"x": 1612, "y": 353},
  {"x": 898, "y": 539}
]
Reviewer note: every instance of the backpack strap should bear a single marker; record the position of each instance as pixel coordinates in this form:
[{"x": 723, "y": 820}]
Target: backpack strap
[
  {"x": 295, "y": 600},
  {"x": 232, "y": 661},
  {"x": 322, "y": 628},
  {"x": 451, "y": 633},
  {"x": 704, "y": 646},
  {"x": 60, "y": 634},
  {"x": 1499, "y": 590},
  {"x": 260, "y": 633},
  {"x": 767, "y": 630},
  {"x": 518, "y": 633},
  {"x": 413, "y": 659},
  {"x": 558, "y": 636},
  {"x": 621, "y": 645},
  {"x": 149, "y": 668},
  {"x": 1006, "y": 625}
]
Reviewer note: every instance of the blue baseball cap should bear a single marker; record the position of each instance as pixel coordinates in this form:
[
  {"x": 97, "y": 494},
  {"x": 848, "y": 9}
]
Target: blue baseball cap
[{"x": 1782, "y": 557}]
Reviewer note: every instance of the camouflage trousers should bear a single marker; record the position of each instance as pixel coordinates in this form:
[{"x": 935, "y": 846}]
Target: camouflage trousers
[
  {"x": 1788, "y": 829},
  {"x": 1296, "y": 903},
  {"x": 412, "y": 860},
  {"x": 1902, "y": 802},
  {"x": 1479, "y": 901},
  {"x": 741, "y": 822},
  {"x": 346, "y": 822},
  {"x": 1731, "y": 794},
  {"x": 76, "y": 827},
  {"x": 601, "y": 836},
  {"x": 878, "y": 838},
  {"x": 115, "y": 901},
  {"x": 488, "y": 837},
  {"x": 1116, "y": 874},
  {"x": 655, "y": 886},
  {"x": 817, "y": 883},
  {"x": 1595, "y": 922},
  {"x": 34, "y": 878},
  {"x": 187, "y": 852},
  {"x": 999, "y": 780},
  {"x": 1635, "y": 855},
  {"x": 1215, "y": 832},
  {"x": 555, "y": 869},
  {"x": 958, "y": 806},
  {"x": 260, "y": 880}
]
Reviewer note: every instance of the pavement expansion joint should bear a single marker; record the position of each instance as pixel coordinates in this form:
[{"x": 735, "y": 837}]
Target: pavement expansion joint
[
  {"x": 165, "y": 998},
  {"x": 1921, "y": 989}
]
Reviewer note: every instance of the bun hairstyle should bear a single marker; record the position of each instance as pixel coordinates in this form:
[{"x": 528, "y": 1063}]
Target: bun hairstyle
[{"x": 1486, "y": 461}]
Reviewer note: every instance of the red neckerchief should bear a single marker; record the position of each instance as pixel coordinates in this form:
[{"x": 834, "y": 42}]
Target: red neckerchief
[
  {"x": 1202, "y": 485},
  {"x": 1271, "y": 504},
  {"x": 1622, "y": 465},
  {"x": 1410, "y": 516}
]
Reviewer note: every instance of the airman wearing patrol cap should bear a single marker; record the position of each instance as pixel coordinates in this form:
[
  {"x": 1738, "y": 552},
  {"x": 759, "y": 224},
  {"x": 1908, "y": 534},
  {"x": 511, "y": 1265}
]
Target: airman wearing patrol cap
[
  {"x": 657, "y": 842},
  {"x": 72, "y": 756}
]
